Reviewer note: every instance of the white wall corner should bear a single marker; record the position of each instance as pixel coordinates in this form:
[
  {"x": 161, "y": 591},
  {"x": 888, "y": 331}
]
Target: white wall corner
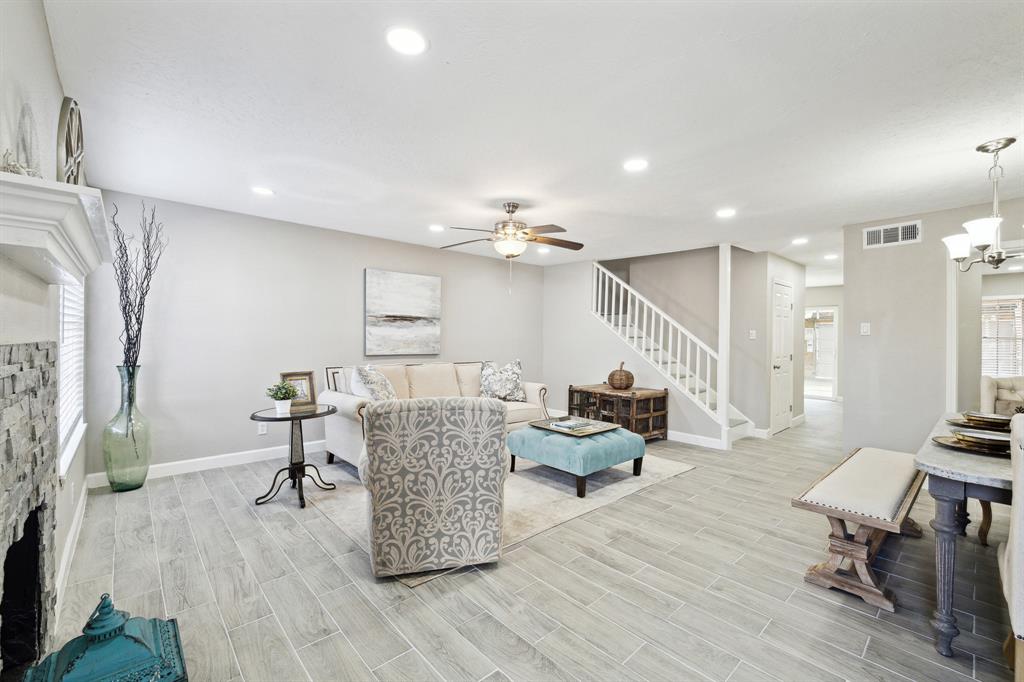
[
  {"x": 798, "y": 420},
  {"x": 952, "y": 337}
]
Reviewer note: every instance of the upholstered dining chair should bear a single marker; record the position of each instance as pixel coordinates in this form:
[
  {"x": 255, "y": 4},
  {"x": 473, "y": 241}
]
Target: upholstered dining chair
[
  {"x": 1011, "y": 553},
  {"x": 435, "y": 469}
]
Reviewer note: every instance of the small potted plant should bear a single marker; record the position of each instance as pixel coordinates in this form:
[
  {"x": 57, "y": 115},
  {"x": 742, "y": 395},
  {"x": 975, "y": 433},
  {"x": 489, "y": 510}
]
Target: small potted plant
[{"x": 282, "y": 394}]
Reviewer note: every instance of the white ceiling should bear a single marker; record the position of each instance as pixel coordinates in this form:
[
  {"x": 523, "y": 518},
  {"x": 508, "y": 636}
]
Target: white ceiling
[{"x": 803, "y": 116}]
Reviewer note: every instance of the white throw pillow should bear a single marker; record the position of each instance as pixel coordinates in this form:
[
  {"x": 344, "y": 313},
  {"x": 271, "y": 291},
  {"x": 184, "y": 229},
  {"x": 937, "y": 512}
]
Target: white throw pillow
[
  {"x": 356, "y": 386},
  {"x": 503, "y": 383},
  {"x": 376, "y": 383}
]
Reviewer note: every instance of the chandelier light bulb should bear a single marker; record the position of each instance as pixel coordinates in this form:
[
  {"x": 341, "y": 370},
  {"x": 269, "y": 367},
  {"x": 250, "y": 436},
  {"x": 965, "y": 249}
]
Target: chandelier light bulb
[
  {"x": 958, "y": 245},
  {"x": 983, "y": 232}
]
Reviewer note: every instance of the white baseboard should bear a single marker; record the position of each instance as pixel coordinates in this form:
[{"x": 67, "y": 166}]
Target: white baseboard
[
  {"x": 694, "y": 439},
  {"x": 184, "y": 466},
  {"x": 68, "y": 555},
  {"x": 797, "y": 420},
  {"x": 761, "y": 433}
]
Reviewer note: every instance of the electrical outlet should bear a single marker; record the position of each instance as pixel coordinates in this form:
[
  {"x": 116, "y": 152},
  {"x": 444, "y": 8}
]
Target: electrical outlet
[
  {"x": 752, "y": 334},
  {"x": 865, "y": 329},
  {"x": 261, "y": 428}
]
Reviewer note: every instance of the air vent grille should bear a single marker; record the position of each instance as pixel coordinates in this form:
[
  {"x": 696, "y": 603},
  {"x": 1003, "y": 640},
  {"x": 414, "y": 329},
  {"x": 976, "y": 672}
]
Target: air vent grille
[{"x": 892, "y": 235}]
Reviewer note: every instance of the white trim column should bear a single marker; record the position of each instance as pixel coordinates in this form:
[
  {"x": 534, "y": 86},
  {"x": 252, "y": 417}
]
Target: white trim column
[
  {"x": 952, "y": 335},
  {"x": 724, "y": 337}
]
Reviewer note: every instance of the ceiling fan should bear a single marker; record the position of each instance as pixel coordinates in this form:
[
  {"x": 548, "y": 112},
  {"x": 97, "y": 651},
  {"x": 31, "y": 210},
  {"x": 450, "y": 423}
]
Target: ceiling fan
[{"x": 511, "y": 237}]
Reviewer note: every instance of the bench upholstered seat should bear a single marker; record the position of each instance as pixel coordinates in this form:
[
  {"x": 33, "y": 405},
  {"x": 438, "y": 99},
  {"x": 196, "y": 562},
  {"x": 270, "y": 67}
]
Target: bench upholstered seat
[
  {"x": 875, "y": 489},
  {"x": 872, "y": 483}
]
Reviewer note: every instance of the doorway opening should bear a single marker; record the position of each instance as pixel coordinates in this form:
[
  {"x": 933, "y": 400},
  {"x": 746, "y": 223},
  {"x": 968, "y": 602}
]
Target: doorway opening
[{"x": 821, "y": 352}]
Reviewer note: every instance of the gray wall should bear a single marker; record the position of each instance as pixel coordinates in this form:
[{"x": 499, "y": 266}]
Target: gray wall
[
  {"x": 238, "y": 299},
  {"x": 28, "y": 306},
  {"x": 1003, "y": 284},
  {"x": 895, "y": 378},
  {"x": 817, "y": 297},
  {"x": 750, "y": 378}
]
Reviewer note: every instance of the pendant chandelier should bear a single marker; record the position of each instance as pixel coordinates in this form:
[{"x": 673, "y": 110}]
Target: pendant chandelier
[{"x": 983, "y": 233}]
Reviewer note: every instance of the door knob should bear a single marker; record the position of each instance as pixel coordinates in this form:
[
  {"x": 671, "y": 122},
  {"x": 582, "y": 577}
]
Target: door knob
[{"x": 776, "y": 366}]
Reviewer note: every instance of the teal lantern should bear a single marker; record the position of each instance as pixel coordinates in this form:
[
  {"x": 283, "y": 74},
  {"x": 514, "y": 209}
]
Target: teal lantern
[{"x": 116, "y": 648}]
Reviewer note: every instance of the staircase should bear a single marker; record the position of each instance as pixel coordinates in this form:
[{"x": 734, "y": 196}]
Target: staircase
[{"x": 689, "y": 365}]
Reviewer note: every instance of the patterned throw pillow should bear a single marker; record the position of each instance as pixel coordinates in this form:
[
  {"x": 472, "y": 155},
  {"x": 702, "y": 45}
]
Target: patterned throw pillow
[
  {"x": 503, "y": 383},
  {"x": 376, "y": 383}
]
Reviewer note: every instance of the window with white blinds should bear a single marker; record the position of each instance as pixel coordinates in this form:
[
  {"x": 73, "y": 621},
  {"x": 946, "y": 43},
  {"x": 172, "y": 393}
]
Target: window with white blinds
[
  {"x": 1002, "y": 336},
  {"x": 71, "y": 359}
]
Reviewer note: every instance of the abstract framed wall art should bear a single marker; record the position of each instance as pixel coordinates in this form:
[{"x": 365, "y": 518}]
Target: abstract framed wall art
[{"x": 402, "y": 313}]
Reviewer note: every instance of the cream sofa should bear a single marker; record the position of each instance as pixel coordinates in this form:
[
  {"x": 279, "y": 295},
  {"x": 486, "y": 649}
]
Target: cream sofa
[
  {"x": 344, "y": 431},
  {"x": 1002, "y": 395}
]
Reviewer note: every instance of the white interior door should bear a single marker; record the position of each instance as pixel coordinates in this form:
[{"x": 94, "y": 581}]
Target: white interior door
[{"x": 782, "y": 357}]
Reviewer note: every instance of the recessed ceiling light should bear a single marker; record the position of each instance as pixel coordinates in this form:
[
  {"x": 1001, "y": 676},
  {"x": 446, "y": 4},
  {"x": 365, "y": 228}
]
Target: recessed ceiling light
[
  {"x": 437, "y": 228},
  {"x": 725, "y": 212},
  {"x": 407, "y": 41},
  {"x": 799, "y": 241},
  {"x": 831, "y": 256},
  {"x": 263, "y": 191},
  {"x": 635, "y": 165},
  {"x": 543, "y": 249}
]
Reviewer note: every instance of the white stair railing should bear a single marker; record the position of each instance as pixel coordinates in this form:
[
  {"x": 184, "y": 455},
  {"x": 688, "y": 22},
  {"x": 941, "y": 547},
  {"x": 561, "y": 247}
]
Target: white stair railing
[{"x": 689, "y": 363}]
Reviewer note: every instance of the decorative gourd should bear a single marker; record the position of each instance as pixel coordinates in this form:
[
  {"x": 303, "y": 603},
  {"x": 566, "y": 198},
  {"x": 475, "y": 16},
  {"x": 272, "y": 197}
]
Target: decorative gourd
[{"x": 620, "y": 378}]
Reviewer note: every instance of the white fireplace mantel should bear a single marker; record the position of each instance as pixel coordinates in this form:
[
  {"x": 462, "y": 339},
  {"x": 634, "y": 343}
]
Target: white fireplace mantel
[{"x": 53, "y": 230}]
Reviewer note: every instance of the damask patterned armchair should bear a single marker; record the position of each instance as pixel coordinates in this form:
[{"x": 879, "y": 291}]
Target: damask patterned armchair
[{"x": 435, "y": 469}]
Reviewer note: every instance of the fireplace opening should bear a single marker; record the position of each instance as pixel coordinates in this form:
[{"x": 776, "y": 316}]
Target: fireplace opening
[{"x": 20, "y": 606}]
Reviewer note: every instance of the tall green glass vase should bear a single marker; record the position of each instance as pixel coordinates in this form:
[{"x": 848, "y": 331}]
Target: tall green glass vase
[{"x": 126, "y": 447}]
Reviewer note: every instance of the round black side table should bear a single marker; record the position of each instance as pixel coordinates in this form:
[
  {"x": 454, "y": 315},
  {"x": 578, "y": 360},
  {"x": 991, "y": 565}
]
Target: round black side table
[{"x": 297, "y": 468}]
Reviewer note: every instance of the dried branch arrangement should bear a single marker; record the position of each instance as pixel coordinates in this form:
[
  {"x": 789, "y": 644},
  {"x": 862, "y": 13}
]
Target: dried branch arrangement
[{"x": 135, "y": 260}]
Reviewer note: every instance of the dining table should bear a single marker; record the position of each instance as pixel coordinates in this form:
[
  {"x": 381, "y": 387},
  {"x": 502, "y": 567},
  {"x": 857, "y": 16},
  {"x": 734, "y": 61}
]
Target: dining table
[{"x": 953, "y": 478}]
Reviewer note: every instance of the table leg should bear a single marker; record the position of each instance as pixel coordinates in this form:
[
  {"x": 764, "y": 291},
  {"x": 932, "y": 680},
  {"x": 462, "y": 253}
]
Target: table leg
[
  {"x": 946, "y": 526},
  {"x": 279, "y": 480},
  {"x": 962, "y": 517}
]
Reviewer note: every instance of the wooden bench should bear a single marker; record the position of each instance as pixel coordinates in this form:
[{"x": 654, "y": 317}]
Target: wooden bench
[{"x": 874, "y": 489}]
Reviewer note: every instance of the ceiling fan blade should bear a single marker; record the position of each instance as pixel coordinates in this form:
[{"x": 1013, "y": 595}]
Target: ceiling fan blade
[
  {"x": 471, "y": 241},
  {"x": 470, "y": 229},
  {"x": 545, "y": 229},
  {"x": 560, "y": 243}
]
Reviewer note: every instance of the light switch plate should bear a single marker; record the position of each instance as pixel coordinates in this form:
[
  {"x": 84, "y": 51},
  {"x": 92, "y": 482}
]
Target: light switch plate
[
  {"x": 865, "y": 329},
  {"x": 752, "y": 334}
]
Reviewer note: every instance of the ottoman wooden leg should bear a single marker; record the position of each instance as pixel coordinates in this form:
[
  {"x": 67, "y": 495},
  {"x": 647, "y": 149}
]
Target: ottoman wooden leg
[
  {"x": 638, "y": 465},
  {"x": 581, "y": 486},
  {"x": 513, "y": 463},
  {"x": 330, "y": 457}
]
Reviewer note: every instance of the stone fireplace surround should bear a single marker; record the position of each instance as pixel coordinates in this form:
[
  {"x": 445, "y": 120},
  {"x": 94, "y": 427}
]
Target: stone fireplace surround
[{"x": 28, "y": 462}]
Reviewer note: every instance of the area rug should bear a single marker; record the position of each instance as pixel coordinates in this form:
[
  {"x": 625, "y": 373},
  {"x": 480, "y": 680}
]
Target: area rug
[{"x": 536, "y": 498}]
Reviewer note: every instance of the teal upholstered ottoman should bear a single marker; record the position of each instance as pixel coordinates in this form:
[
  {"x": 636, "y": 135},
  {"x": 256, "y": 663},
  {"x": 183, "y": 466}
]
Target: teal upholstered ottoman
[{"x": 578, "y": 455}]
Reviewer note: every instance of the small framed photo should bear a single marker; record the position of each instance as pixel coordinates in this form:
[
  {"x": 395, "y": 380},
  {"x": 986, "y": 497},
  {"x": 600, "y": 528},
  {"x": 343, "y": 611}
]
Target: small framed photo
[{"x": 303, "y": 383}]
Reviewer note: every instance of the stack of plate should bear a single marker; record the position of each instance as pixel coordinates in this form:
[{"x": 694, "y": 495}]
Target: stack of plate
[
  {"x": 988, "y": 434},
  {"x": 982, "y": 421}
]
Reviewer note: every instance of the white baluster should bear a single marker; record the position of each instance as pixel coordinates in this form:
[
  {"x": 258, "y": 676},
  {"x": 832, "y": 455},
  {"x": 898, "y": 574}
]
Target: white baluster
[{"x": 707, "y": 384}]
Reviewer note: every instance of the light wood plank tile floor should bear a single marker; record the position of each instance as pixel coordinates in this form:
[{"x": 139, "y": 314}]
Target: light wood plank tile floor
[{"x": 696, "y": 578}]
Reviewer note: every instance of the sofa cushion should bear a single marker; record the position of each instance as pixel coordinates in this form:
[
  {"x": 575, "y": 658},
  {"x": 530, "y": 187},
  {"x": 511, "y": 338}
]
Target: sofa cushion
[
  {"x": 396, "y": 375},
  {"x": 468, "y": 374},
  {"x": 436, "y": 380},
  {"x": 522, "y": 412},
  {"x": 503, "y": 383},
  {"x": 374, "y": 383},
  {"x": 871, "y": 482}
]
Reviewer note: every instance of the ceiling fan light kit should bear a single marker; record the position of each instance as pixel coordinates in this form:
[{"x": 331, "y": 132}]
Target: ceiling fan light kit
[
  {"x": 983, "y": 234},
  {"x": 511, "y": 237}
]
